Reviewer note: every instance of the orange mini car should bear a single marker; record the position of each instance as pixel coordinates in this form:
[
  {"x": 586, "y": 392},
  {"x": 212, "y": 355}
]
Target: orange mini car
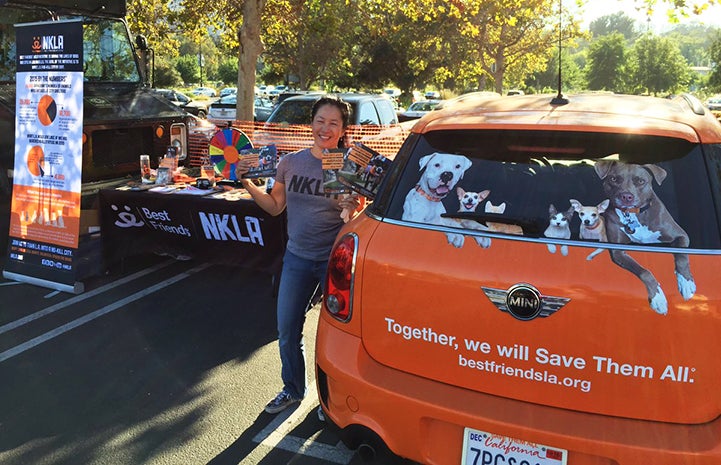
[{"x": 536, "y": 283}]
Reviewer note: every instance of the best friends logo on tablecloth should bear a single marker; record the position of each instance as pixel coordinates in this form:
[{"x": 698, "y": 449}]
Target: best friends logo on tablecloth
[{"x": 215, "y": 226}]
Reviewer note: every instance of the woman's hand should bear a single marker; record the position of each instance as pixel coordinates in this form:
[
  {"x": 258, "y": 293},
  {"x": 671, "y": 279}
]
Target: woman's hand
[
  {"x": 241, "y": 168},
  {"x": 350, "y": 203}
]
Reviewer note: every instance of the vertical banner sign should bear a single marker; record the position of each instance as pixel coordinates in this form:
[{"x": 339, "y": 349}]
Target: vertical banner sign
[{"x": 45, "y": 212}]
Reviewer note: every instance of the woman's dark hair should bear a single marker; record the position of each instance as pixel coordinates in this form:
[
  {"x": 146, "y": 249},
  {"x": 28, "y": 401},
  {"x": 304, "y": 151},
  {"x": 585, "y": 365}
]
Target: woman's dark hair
[{"x": 341, "y": 105}]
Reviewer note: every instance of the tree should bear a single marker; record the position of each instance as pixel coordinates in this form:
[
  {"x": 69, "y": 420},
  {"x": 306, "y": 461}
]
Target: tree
[
  {"x": 615, "y": 23},
  {"x": 228, "y": 70},
  {"x": 547, "y": 80},
  {"x": 658, "y": 65},
  {"x": 714, "y": 80},
  {"x": 694, "y": 41},
  {"x": 306, "y": 37},
  {"x": 154, "y": 19},
  {"x": 408, "y": 43},
  {"x": 187, "y": 66},
  {"x": 166, "y": 75},
  {"x": 238, "y": 22},
  {"x": 514, "y": 37},
  {"x": 607, "y": 63}
]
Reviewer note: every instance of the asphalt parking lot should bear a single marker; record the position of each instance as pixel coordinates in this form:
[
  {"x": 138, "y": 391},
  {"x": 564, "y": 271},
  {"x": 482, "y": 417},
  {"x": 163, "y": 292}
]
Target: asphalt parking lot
[{"x": 159, "y": 362}]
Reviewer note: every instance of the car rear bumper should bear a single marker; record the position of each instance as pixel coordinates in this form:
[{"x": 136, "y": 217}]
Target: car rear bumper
[{"x": 424, "y": 420}]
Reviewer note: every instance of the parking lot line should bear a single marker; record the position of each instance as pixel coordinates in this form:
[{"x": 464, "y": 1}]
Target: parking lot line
[
  {"x": 97, "y": 313},
  {"x": 276, "y": 436},
  {"x": 86, "y": 295}
]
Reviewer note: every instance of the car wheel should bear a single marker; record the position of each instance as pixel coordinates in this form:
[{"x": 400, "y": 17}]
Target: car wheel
[{"x": 201, "y": 114}]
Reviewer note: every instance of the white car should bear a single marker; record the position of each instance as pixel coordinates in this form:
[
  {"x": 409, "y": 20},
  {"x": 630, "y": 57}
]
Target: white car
[
  {"x": 418, "y": 109},
  {"x": 714, "y": 104},
  {"x": 204, "y": 91},
  {"x": 222, "y": 112}
]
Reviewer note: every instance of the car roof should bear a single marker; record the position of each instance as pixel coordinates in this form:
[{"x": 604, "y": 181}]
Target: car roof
[{"x": 682, "y": 117}]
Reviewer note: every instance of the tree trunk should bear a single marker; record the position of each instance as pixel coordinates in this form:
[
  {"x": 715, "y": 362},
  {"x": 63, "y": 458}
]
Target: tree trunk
[
  {"x": 500, "y": 70},
  {"x": 250, "y": 49}
]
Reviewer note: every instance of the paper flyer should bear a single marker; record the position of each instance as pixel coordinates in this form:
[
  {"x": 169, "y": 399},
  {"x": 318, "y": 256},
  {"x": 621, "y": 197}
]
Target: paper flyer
[
  {"x": 363, "y": 170},
  {"x": 263, "y": 160},
  {"x": 333, "y": 161}
]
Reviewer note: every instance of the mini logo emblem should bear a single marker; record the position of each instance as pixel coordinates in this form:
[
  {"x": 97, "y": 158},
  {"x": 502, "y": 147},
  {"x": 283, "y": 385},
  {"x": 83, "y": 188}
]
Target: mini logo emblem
[{"x": 524, "y": 301}]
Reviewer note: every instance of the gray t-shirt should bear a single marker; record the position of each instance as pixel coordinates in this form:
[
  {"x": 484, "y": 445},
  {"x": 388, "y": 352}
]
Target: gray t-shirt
[{"x": 313, "y": 217}]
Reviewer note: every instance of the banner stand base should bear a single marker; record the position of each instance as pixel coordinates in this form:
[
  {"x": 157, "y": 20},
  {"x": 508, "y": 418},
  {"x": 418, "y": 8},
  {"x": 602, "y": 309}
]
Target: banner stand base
[{"x": 77, "y": 288}]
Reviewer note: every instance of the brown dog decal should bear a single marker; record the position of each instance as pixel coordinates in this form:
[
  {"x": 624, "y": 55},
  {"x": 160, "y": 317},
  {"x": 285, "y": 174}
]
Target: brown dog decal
[{"x": 637, "y": 215}]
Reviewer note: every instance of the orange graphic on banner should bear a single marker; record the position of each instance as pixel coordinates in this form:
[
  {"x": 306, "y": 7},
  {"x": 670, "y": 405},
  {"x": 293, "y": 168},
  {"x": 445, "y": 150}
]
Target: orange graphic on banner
[
  {"x": 36, "y": 160},
  {"x": 47, "y": 110},
  {"x": 45, "y": 215}
]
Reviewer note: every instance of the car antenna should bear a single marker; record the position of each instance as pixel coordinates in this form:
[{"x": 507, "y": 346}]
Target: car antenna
[{"x": 559, "y": 99}]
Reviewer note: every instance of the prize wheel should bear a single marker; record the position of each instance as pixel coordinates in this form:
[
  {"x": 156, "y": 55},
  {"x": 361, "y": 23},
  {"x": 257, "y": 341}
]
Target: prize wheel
[{"x": 224, "y": 150}]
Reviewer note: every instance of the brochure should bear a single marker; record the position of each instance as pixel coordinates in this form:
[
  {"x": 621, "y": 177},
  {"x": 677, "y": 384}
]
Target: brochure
[
  {"x": 333, "y": 160},
  {"x": 164, "y": 176},
  {"x": 263, "y": 160},
  {"x": 363, "y": 170}
]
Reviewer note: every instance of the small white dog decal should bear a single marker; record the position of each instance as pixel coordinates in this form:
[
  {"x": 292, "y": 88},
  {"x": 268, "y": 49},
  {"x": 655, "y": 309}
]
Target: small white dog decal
[
  {"x": 440, "y": 174},
  {"x": 593, "y": 225}
]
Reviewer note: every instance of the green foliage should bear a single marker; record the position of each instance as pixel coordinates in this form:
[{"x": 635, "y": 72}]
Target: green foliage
[
  {"x": 154, "y": 19},
  {"x": 607, "y": 63},
  {"x": 658, "y": 66},
  {"x": 413, "y": 44},
  {"x": 187, "y": 66},
  {"x": 617, "y": 23},
  {"x": 166, "y": 75},
  {"x": 545, "y": 81},
  {"x": 228, "y": 70},
  {"x": 714, "y": 80},
  {"x": 306, "y": 38}
]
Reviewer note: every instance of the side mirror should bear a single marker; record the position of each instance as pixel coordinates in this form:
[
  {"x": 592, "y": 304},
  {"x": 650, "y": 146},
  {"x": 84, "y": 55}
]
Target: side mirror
[{"x": 141, "y": 43}]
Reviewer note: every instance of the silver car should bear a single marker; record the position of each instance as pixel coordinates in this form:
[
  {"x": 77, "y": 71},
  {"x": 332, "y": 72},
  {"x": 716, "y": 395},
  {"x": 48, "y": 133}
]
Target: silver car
[{"x": 222, "y": 111}]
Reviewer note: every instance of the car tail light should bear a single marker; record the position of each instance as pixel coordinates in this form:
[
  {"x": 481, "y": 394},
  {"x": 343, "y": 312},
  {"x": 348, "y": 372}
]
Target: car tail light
[{"x": 339, "y": 279}]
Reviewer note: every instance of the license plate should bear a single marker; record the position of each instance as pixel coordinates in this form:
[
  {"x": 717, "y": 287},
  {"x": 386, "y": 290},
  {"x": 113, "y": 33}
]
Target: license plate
[{"x": 481, "y": 448}]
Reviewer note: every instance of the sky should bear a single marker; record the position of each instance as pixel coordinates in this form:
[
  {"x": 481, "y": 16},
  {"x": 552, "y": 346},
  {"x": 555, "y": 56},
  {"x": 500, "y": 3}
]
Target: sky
[{"x": 594, "y": 9}]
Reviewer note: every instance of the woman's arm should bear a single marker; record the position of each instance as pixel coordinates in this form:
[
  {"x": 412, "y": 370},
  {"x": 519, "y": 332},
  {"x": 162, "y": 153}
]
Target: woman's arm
[{"x": 273, "y": 202}]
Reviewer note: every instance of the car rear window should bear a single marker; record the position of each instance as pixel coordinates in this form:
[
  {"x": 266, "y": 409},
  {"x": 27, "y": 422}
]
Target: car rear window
[
  {"x": 293, "y": 112},
  {"x": 527, "y": 174}
]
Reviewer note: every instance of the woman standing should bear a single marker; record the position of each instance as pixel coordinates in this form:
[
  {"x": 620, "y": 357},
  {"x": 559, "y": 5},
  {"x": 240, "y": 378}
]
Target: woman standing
[{"x": 314, "y": 220}]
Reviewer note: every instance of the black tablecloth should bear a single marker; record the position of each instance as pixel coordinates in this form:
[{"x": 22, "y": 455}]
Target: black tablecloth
[{"x": 235, "y": 232}]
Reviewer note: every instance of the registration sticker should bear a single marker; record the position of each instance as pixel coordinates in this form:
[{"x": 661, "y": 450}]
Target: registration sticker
[{"x": 481, "y": 448}]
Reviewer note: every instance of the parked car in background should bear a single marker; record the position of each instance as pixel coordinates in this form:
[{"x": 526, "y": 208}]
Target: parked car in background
[
  {"x": 222, "y": 111},
  {"x": 392, "y": 92},
  {"x": 198, "y": 108},
  {"x": 227, "y": 91},
  {"x": 418, "y": 109},
  {"x": 365, "y": 109},
  {"x": 432, "y": 95},
  {"x": 714, "y": 103},
  {"x": 292, "y": 93},
  {"x": 288, "y": 127},
  {"x": 204, "y": 91},
  {"x": 262, "y": 109},
  {"x": 534, "y": 283}
]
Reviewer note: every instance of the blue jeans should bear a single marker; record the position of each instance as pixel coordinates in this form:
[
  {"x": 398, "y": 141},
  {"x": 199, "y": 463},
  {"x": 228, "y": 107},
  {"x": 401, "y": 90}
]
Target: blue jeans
[{"x": 298, "y": 282}]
